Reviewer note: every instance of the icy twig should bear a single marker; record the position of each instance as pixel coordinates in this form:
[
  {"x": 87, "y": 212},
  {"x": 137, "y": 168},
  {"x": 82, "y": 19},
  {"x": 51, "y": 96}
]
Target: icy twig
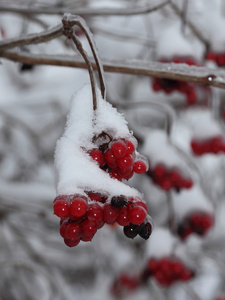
[
  {"x": 193, "y": 28},
  {"x": 126, "y": 11},
  {"x": 196, "y": 74},
  {"x": 68, "y": 31},
  {"x": 29, "y": 39},
  {"x": 77, "y": 20}
]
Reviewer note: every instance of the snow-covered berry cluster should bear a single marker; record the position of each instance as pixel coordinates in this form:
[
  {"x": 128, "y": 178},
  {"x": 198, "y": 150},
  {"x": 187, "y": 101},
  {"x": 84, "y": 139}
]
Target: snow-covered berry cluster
[
  {"x": 211, "y": 145},
  {"x": 217, "y": 57},
  {"x": 168, "y": 179},
  {"x": 95, "y": 154},
  {"x": 197, "y": 222},
  {"x": 170, "y": 85},
  {"x": 119, "y": 159},
  {"x": 167, "y": 271},
  {"x": 124, "y": 284}
]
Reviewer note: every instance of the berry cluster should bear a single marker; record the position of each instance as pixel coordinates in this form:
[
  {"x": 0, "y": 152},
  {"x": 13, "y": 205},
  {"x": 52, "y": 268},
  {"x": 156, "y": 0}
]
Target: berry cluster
[
  {"x": 119, "y": 159},
  {"x": 81, "y": 216},
  {"x": 167, "y": 271},
  {"x": 220, "y": 298},
  {"x": 168, "y": 179},
  {"x": 170, "y": 85},
  {"x": 124, "y": 284},
  {"x": 218, "y": 58},
  {"x": 213, "y": 145},
  {"x": 198, "y": 223}
]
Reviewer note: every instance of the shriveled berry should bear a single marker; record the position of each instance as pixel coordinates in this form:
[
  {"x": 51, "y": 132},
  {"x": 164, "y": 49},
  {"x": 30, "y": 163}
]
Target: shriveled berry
[
  {"x": 145, "y": 230},
  {"x": 130, "y": 231},
  {"x": 95, "y": 197},
  {"x": 119, "y": 201}
]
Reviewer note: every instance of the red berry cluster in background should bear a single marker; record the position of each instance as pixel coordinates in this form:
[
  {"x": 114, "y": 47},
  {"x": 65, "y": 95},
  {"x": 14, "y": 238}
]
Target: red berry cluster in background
[
  {"x": 167, "y": 271},
  {"x": 213, "y": 145},
  {"x": 218, "y": 58},
  {"x": 124, "y": 284},
  {"x": 170, "y": 85},
  {"x": 118, "y": 158},
  {"x": 81, "y": 216},
  {"x": 220, "y": 298},
  {"x": 168, "y": 179},
  {"x": 199, "y": 223}
]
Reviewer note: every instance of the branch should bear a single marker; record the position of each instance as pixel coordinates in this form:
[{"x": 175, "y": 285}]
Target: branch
[
  {"x": 183, "y": 72},
  {"x": 195, "y": 31},
  {"x": 84, "y": 11},
  {"x": 35, "y": 38}
]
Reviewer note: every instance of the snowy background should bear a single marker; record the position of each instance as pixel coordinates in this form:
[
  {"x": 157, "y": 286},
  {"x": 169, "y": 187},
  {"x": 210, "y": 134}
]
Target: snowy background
[{"x": 34, "y": 103}]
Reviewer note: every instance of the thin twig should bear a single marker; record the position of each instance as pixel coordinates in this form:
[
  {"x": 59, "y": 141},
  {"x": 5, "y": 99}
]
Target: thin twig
[
  {"x": 196, "y": 74},
  {"x": 77, "y": 20},
  {"x": 69, "y": 32},
  {"x": 35, "y": 38},
  {"x": 126, "y": 11},
  {"x": 195, "y": 31}
]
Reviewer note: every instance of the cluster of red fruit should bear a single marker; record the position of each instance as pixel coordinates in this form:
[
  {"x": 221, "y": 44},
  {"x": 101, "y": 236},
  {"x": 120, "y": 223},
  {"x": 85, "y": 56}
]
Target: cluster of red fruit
[
  {"x": 167, "y": 271},
  {"x": 218, "y": 58},
  {"x": 220, "y": 298},
  {"x": 198, "y": 223},
  {"x": 118, "y": 158},
  {"x": 170, "y": 85},
  {"x": 81, "y": 216},
  {"x": 168, "y": 179},
  {"x": 124, "y": 284},
  {"x": 213, "y": 145}
]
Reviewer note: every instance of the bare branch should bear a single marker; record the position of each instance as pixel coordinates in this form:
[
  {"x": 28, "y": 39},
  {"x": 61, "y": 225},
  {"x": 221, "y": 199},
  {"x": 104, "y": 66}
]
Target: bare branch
[
  {"x": 35, "y": 38},
  {"x": 200, "y": 75},
  {"x": 84, "y": 11},
  {"x": 195, "y": 31}
]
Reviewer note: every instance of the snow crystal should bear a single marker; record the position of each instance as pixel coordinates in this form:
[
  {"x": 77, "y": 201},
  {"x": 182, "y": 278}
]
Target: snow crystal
[{"x": 75, "y": 169}]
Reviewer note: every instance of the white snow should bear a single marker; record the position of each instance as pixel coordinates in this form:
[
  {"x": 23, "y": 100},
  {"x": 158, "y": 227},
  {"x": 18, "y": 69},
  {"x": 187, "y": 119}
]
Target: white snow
[
  {"x": 76, "y": 171},
  {"x": 188, "y": 201}
]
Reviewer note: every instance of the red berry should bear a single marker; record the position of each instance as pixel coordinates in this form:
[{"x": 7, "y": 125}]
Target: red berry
[
  {"x": 123, "y": 218},
  {"x": 88, "y": 228},
  {"x": 97, "y": 156},
  {"x": 109, "y": 156},
  {"x": 153, "y": 265},
  {"x": 119, "y": 149},
  {"x": 73, "y": 231},
  {"x": 95, "y": 213},
  {"x": 139, "y": 167},
  {"x": 63, "y": 229},
  {"x": 71, "y": 243},
  {"x": 159, "y": 171},
  {"x": 95, "y": 197},
  {"x": 125, "y": 162},
  {"x": 85, "y": 238},
  {"x": 78, "y": 207},
  {"x": 115, "y": 174},
  {"x": 61, "y": 208},
  {"x": 137, "y": 215},
  {"x": 130, "y": 147},
  {"x": 110, "y": 213}
]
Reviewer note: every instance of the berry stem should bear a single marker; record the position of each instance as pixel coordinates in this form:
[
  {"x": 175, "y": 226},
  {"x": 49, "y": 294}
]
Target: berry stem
[{"x": 70, "y": 33}]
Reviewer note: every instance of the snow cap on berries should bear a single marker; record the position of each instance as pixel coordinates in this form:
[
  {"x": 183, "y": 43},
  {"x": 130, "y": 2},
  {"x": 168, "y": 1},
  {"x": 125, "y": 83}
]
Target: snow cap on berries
[{"x": 76, "y": 170}]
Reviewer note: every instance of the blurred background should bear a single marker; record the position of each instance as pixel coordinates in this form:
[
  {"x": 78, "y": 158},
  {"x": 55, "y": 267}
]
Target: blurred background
[{"x": 179, "y": 126}]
